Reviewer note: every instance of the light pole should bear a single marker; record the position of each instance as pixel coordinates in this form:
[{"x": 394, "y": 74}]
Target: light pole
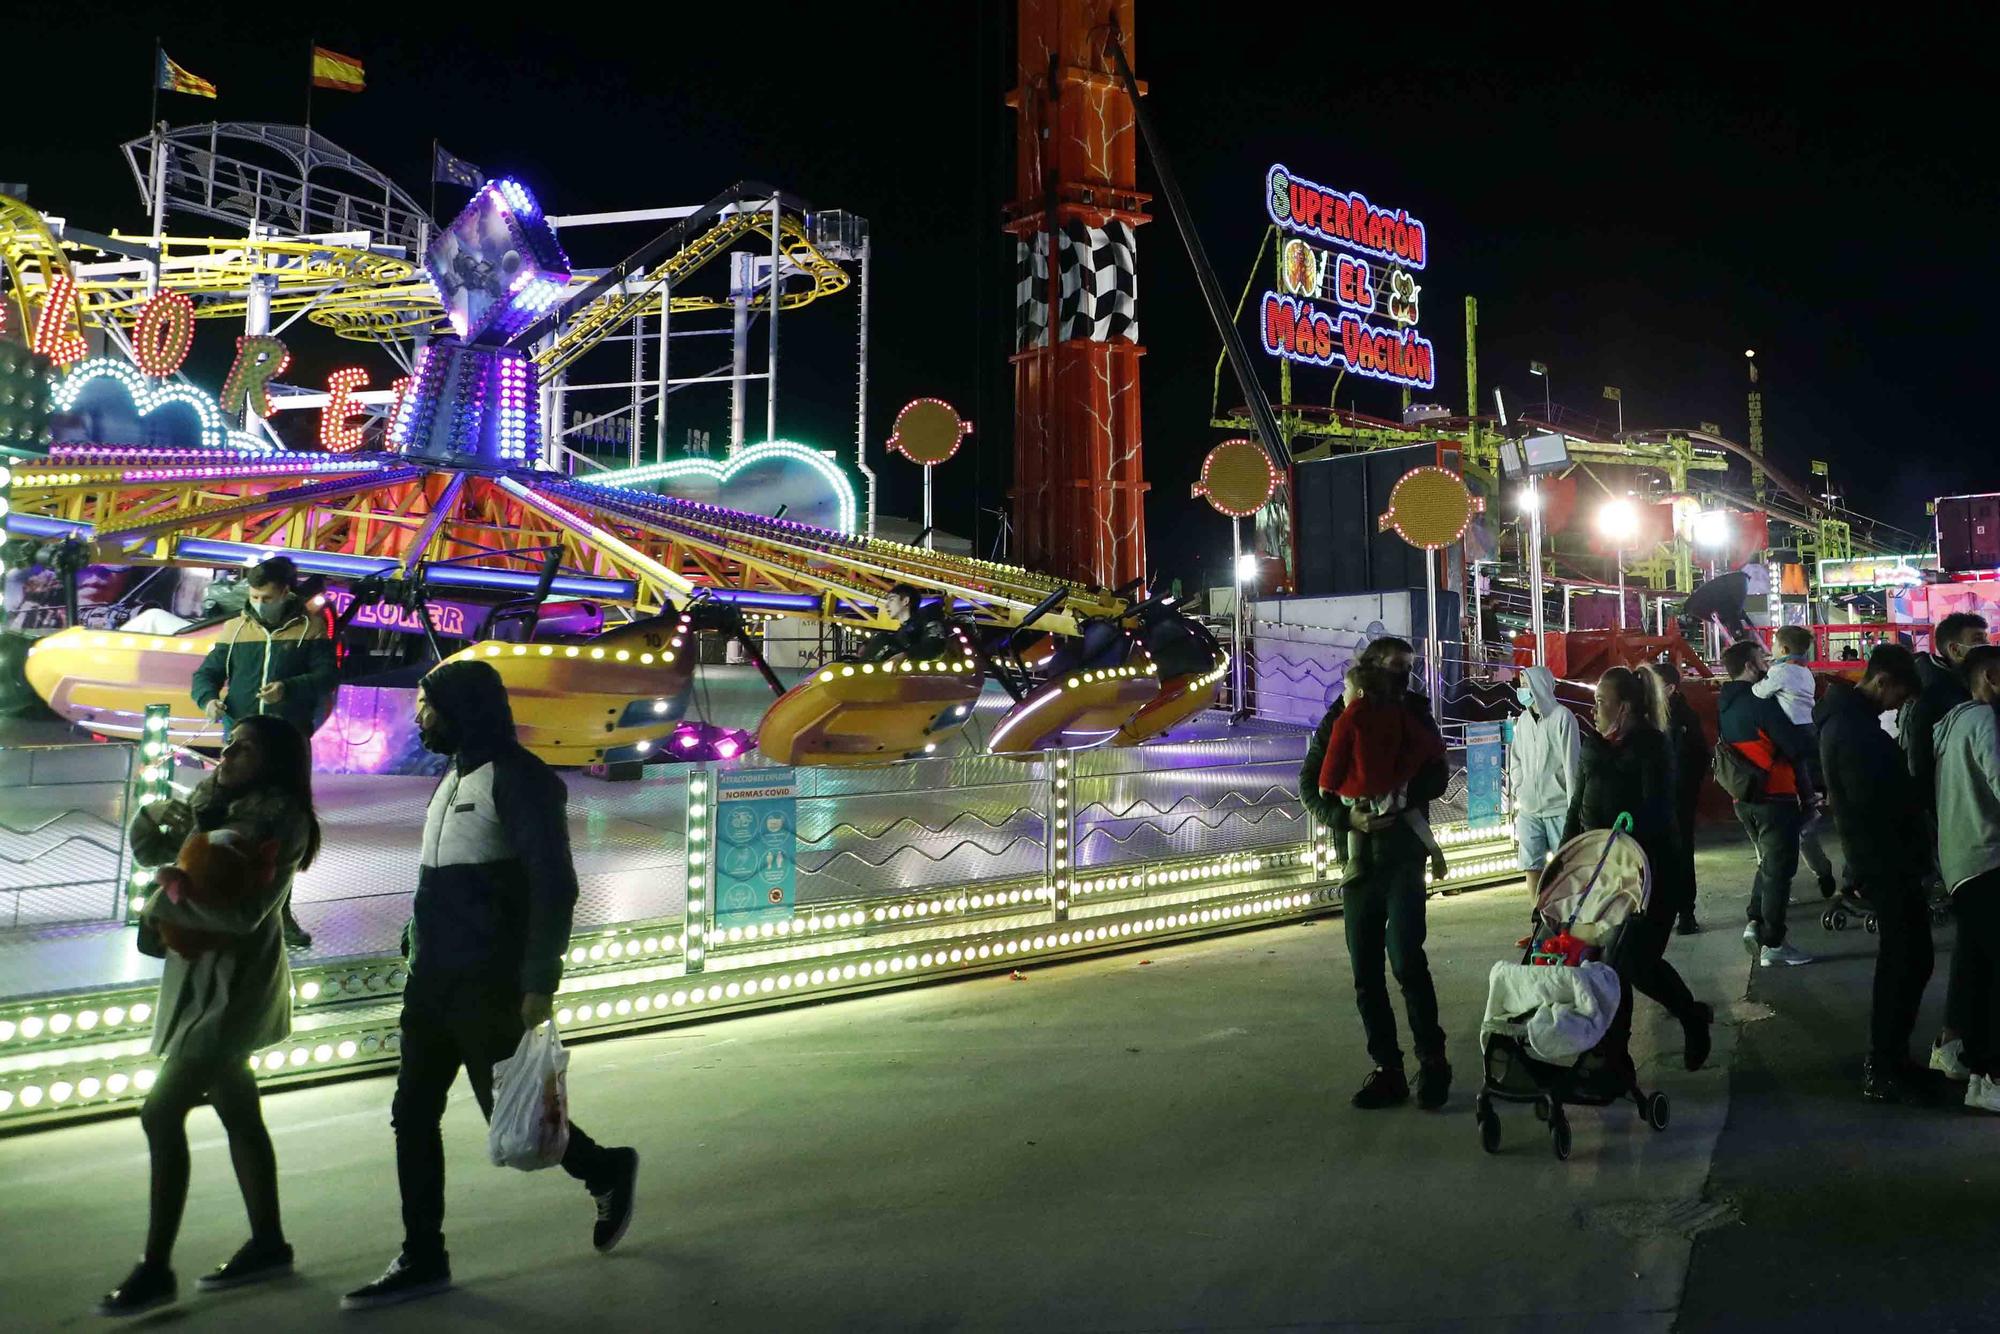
[
  {"x": 1531, "y": 503},
  {"x": 1245, "y": 567},
  {"x": 1711, "y": 534},
  {"x": 1541, "y": 369},
  {"x": 1618, "y": 523}
]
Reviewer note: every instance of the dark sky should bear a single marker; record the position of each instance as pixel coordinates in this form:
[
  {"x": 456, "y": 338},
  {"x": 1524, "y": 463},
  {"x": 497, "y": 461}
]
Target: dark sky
[{"x": 1633, "y": 205}]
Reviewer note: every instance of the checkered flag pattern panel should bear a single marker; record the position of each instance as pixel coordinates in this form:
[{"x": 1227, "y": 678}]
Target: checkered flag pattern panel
[{"x": 1099, "y": 286}]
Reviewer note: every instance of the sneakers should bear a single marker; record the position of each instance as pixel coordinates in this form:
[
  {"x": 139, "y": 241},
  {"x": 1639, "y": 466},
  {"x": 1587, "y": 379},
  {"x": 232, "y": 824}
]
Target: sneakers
[
  {"x": 1827, "y": 888},
  {"x": 1687, "y": 926},
  {"x": 1789, "y": 954},
  {"x": 1982, "y": 1094},
  {"x": 1948, "y": 1059},
  {"x": 403, "y": 1281},
  {"x": 1384, "y": 1087},
  {"x": 1750, "y": 937},
  {"x": 146, "y": 1288},
  {"x": 254, "y": 1262},
  {"x": 614, "y": 1202},
  {"x": 1433, "y": 1084},
  {"x": 1699, "y": 1042},
  {"x": 1901, "y": 1081}
]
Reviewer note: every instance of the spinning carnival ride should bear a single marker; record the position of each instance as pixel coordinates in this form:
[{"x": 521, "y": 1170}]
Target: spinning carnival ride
[{"x": 588, "y": 595}]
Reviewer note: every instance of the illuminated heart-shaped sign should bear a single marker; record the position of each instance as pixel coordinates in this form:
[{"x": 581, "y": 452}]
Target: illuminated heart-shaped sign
[
  {"x": 149, "y": 396},
  {"x": 757, "y": 479}
]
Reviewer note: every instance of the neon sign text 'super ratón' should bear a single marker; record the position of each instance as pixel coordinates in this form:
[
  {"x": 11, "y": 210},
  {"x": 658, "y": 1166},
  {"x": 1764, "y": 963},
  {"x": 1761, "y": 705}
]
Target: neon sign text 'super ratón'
[{"x": 1334, "y": 216}]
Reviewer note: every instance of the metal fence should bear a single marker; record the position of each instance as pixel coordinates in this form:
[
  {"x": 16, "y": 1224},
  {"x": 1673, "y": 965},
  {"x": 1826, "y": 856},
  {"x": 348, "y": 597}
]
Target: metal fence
[{"x": 62, "y": 833}]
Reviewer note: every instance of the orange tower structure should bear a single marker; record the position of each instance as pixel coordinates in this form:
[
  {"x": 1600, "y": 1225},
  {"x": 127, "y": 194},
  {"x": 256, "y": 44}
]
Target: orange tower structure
[{"x": 1079, "y": 468}]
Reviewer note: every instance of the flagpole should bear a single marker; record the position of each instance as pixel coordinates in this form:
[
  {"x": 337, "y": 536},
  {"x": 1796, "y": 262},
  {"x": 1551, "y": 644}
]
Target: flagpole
[{"x": 156, "y": 178}]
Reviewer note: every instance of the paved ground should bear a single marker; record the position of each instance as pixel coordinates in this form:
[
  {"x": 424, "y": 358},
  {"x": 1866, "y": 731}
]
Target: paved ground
[{"x": 1148, "y": 1141}]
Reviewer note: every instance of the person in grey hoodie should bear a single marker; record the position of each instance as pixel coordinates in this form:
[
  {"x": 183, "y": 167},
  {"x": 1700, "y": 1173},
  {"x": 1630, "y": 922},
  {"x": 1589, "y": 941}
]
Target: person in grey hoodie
[
  {"x": 1541, "y": 769},
  {"x": 1967, "y": 746}
]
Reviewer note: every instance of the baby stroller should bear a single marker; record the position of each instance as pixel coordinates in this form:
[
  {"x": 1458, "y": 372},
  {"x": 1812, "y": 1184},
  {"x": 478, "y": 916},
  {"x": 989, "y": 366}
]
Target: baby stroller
[{"x": 1558, "y": 1024}]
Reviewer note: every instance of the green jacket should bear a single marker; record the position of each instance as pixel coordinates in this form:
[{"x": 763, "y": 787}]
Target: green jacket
[{"x": 248, "y": 657}]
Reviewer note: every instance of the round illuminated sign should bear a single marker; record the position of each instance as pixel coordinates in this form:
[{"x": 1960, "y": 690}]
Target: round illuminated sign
[
  {"x": 1237, "y": 478},
  {"x": 928, "y": 431},
  {"x": 1430, "y": 507}
]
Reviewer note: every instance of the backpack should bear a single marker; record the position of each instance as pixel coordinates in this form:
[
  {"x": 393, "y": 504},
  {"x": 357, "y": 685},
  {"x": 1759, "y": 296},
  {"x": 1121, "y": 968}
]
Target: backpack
[{"x": 1736, "y": 775}]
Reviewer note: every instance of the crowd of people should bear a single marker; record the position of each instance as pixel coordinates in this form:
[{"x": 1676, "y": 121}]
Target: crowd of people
[
  {"x": 496, "y": 889},
  {"x": 1902, "y": 764}
]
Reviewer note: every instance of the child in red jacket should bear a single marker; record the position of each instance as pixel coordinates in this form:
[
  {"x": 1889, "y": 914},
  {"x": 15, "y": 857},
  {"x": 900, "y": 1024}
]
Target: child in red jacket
[{"x": 1376, "y": 748}]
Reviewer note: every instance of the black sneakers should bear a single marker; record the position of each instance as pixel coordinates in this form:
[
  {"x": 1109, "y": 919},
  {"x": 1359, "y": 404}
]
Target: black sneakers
[
  {"x": 1384, "y": 1087},
  {"x": 146, "y": 1288},
  {"x": 1686, "y": 925},
  {"x": 1433, "y": 1084},
  {"x": 254, "y": 1262},
  {"x": 403, "y": 1281},
  {"x": 614, "y": 1202},
  {"x": 1700, "y": 1041}
]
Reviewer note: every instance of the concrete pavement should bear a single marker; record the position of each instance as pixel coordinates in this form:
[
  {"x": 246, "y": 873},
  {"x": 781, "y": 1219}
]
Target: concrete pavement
[{"x": 1154, "y": 1140}]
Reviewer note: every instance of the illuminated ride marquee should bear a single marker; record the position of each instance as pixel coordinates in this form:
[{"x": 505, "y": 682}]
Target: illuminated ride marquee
[{"x": 1357, "y": 310}]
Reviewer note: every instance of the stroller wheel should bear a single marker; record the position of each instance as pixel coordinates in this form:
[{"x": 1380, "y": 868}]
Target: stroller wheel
[
  {"x": 1839, "y": 920},
  {"x": 1559, "y": 1137},
  {"x": 1489, "y": 1131},
  {"x": 1869, "y": 922},
  {"x": 1658, "y": 1111}
]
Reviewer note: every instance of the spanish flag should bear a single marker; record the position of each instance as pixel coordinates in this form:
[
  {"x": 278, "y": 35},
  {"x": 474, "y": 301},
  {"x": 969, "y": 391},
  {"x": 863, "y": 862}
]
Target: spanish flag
[
  {"x": 330, "y": 69},
  {"x": 171, "y": 78}
]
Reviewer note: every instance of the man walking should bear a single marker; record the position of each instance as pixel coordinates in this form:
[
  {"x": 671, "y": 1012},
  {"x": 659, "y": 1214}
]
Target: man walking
[
  {"x": 1942, "y": 672},
  {"x": 491, "y": 921},
  {"x": 1541, "y": 770},
  {"x": 1761, "y": 741},
  {"x": 1382, "y": 908},
  {"x": 1967, "y": 747},
  {"x": 1790, "y": 682},
  {"x": 1885, "y": 839}
]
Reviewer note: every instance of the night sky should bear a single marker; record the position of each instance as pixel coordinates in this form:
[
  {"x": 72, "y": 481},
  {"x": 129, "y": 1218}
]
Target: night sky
[{"x": 1634, "y": 206}]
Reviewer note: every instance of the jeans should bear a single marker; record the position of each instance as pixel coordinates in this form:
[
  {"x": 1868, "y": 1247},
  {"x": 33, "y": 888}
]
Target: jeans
[
  {"x": 1903, "y": 964},
  {"x": 1383, "y": 911},
  {"x": 1814, "y": 851},
  {"x": 470, "y": 1023},
  {"x": 1773, "y": 827},
  {"x": 1976, "y": 905},
  {"x": 1539, "y": 836}
]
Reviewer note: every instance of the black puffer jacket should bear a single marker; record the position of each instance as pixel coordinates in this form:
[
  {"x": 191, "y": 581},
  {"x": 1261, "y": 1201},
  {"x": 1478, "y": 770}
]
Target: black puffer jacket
[
  {"x": 1943, "y": 691},
  {"x": 496, "y": 888},
  {"x": 1877, "y": 806},
  {"x": 1634, "y": 775}
]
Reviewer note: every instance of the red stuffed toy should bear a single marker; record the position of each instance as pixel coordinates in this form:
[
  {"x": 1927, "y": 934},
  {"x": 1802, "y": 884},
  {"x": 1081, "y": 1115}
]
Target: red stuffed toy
[{"x": 214, "y": 870}]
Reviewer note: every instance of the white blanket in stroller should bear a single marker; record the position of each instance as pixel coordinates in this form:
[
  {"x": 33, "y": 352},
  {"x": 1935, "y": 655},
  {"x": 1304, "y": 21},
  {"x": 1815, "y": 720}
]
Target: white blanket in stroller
[{"x": 1560, "y": 1013}]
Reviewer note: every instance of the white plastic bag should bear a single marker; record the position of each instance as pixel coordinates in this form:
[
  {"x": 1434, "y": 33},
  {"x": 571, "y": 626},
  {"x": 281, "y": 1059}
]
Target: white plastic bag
[{"x": 530, "y": 1125}]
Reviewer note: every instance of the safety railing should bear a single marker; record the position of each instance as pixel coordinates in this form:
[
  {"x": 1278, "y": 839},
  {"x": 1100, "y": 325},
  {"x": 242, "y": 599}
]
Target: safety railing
[{"x": 62, "y": 833}]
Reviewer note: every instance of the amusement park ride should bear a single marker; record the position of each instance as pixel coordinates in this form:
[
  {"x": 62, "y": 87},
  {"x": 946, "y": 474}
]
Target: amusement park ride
[{"x": 590, "y": 590}]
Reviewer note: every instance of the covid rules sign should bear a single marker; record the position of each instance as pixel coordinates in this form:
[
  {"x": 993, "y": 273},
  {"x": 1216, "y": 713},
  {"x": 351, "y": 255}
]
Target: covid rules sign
[{"x": 1356, "y": 306}]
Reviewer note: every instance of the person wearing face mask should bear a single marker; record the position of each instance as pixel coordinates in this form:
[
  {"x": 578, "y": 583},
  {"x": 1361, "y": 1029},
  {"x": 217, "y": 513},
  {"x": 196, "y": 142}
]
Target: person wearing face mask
[
  {"x": 495, "y": 892},
  {"x": 1541, "y": 770},
  {"x": 1627, "y": 771},
  {"x": 1382, "y": 902},
  {"x": 277, "y": 661}
]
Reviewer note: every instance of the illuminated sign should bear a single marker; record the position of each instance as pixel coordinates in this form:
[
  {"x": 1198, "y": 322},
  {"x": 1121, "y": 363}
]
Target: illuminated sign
[
  {"x": 756, "y": 479},
  {"x": 1877, "y": 571},
  {"x": 148, "y": 396},
  {"x": 1360, "y": 310},
  {"x": 447, "y": 618}
]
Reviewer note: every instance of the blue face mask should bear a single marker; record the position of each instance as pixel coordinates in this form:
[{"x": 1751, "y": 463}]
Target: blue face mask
[{"x": 1525, "y": 695}]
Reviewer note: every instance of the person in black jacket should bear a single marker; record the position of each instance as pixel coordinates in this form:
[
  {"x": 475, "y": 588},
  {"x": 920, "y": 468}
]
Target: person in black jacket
[
  {"x": 1880, "y": 816},
  {"x": 921, "y": 630},
  {"x": 491, "y": 920},
  {"x": 1382, "y": 908},
  {"x": 1692, "y": 756},
  {"x": 1627, "y": 769},
  {"x": 1769, "y": 742}
]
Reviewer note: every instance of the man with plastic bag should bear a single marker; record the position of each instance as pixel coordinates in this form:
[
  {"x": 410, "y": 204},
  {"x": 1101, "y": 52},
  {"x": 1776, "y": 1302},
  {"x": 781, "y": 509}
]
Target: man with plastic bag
[{"x": 485, "y": 945}]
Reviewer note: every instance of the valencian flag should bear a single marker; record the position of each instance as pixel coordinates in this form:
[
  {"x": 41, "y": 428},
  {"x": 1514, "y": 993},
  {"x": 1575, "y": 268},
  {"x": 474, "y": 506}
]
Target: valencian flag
[
  {"x": 454, "y": 170},
  {"x": 171, "y": 78},
  {"x": 330, "y": 69}
]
